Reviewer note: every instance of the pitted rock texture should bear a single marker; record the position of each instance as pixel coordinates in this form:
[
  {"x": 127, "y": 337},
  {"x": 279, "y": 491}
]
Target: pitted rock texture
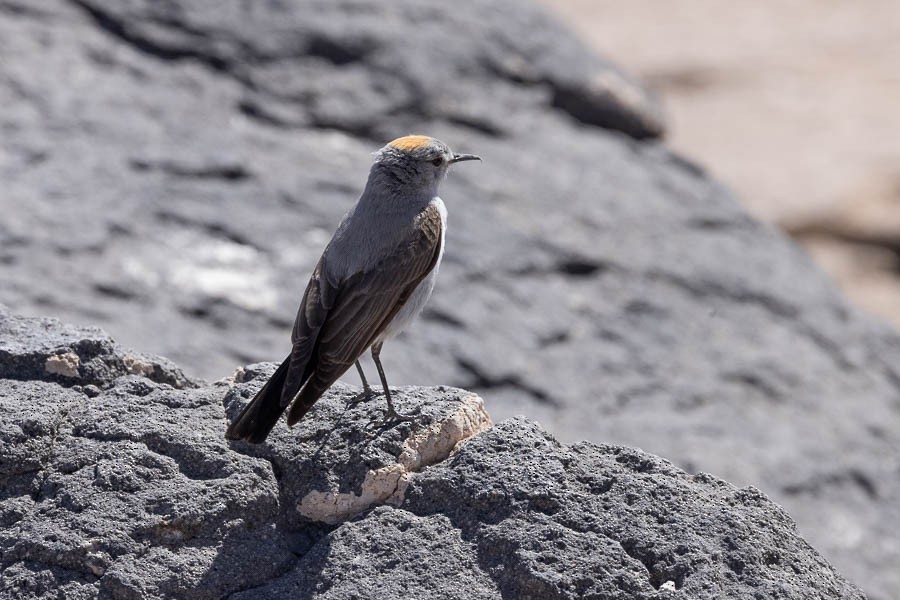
[
  {"x": 391, "y": 553},
  {"x": 130, "y": 494},
  {"x": 600, "y": 521},
  {"x": 46, "y": 349},
  {"x": 172, "y": 171},
  {"x": 348, "y": 431},
  {"x": 134, "y": 493}
]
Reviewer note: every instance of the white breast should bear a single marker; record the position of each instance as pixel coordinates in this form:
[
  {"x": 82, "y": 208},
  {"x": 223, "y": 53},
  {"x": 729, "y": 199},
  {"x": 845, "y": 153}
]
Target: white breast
[{"x": 422, "y": 293}]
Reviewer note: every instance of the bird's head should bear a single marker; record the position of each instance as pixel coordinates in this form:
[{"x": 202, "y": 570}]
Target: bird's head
[{"x": 417, "y": 160}]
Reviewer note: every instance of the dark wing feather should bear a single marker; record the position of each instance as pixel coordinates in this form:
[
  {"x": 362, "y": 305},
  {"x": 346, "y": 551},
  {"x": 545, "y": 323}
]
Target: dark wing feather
[
  {"x": 364, "y": 305},
  {"x": 317, "y": 301}
]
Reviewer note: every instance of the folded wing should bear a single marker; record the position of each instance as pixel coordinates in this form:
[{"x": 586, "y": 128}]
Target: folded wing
[{"x": 337, "y": 323}]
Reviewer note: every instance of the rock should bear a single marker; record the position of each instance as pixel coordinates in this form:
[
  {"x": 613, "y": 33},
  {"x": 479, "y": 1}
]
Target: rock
[
  {"x": 172, "y": 171},
  {"x": 133, "y": 492},
  {"x": 45, "y": 349},
  {"x": 450, "y": 417},
  {"x": 391, "y": 553},
  {"x": 479, "y": 45},
  {"x": 551, "y": 521},
  {"x": 519, "y": 515}
]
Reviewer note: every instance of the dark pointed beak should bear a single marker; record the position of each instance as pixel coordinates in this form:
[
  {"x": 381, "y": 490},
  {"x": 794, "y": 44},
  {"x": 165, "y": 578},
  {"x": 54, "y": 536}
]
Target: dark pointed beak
[{"x": 461, "y": 157}]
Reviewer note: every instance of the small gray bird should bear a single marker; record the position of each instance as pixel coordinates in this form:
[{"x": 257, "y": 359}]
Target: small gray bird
[{"x": 373, "y": 279}]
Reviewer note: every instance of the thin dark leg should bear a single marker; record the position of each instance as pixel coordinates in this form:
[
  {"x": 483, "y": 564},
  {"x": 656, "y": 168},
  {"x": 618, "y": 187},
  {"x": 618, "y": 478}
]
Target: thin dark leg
[
  {"x": 391, "y": 413},
  {"x": 366, "y": 388}
]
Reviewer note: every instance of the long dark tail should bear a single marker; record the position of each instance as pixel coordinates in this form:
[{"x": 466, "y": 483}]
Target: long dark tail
[{"x": 260, "y": 416}]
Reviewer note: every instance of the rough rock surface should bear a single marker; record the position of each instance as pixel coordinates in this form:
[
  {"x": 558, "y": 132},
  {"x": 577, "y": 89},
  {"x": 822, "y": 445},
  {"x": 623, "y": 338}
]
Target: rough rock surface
[
  {"x": 45, "y": 349},
  {"x": 171, "y": 172},
  {"x": 134, "y": 493}
]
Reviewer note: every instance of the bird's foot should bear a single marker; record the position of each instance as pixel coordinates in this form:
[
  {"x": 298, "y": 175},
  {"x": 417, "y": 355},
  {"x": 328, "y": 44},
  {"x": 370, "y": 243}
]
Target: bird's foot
[
  {"x": 391, "y": 416},
  {"x": 363, "y": 396}
]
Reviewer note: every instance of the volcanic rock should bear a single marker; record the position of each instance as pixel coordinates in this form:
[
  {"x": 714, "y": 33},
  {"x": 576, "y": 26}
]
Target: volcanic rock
[
  {"x": 172, "y": 171},
  {"x": 133, "y": 492}
]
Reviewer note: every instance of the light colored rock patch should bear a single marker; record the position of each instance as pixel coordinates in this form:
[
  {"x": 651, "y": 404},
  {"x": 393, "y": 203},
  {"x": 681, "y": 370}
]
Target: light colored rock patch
[
  {"x": 65, "y": 364},
  {"x": 137, "y": 366},
  {"x": 437, "y": 441},
  {"x": 237, "y": 376},
  {"x": 334, "y": 507},
  {"x": 387, "y": 485},
  {"x": 222, "y": 269}
]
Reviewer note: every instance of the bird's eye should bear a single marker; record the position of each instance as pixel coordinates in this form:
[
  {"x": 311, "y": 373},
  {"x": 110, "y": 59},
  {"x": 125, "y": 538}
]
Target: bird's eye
[{"x": 438, "y": 161}]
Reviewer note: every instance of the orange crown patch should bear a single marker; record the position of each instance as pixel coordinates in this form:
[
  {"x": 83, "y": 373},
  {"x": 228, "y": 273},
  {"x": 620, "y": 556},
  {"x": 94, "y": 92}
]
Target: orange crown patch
[{"x": 409, "y": 143}]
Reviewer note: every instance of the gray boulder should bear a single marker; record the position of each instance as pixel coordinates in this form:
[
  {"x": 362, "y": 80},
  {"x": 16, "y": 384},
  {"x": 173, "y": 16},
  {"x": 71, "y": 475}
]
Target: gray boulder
[
  {"x": 134, "y": 493},
  {"x": 45, "y": 349},
  {"x": 171, "y": 171}
]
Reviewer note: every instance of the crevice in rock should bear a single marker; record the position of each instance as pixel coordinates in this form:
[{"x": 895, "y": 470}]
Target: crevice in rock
[
  {"x": 709, "y": 288},
  {"x": 580, "y": 267},
  {"x": 647, "y": 557},
  {"x": 216, "y": 230},
  {"x": 265, "y": 116},
  {"x": 358, "y": 130},
  {"x": 439, "y": 316},
  {"x": 480, "y": 380},
  {"x": 227, "y": 172},
  {"x": 632, "y": 548},
  {"x": 612, "y": 101},
  {"x": 894, "y": 378},
  {"x": 568, "y": 265},
  {"x": 480, "y": 125},
  {"x": 336, "y": 51},
  {"x": 554, "y": 338},
  {"x": 852, "y": 476},
  {"x": 839, "y": 232},
  {"x": 831, "y": 348},
  {"x": 120, "y": 30},
  {"x": 190, "y": 463},
  {"x": 685, "y": 164},
  {"x": 754, "y": 380},
  {"x": 46, "y": 461},
  {"x": 589, "y": 111},
  {"x": 21, "y": 10},
  {"x": 115, "y": 291},
  {"x": 715, "y": 224}
]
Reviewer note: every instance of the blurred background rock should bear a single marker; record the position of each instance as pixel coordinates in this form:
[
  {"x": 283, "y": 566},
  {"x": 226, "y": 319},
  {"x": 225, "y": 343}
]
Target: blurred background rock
[{"x": 793, "y": 104}]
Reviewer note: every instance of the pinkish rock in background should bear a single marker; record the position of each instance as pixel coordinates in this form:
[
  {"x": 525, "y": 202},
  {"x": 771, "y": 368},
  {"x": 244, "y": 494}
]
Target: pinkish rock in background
[{"x": 793, "y": 105}]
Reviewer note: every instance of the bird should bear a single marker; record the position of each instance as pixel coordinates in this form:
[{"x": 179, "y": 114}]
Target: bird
[{"x": 373, "y": 279}]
